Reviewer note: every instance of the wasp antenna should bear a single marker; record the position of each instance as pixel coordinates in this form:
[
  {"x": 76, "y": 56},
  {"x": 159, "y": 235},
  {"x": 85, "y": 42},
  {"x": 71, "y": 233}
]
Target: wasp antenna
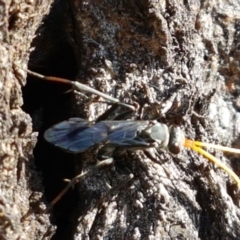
[
  {"x": 191, "y": 144},
  {"x": 219, "y": 147}
]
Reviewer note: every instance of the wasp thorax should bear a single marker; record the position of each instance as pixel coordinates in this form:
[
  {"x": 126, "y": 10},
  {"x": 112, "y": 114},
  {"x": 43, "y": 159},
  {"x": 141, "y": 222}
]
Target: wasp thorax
[
  {"x": 160, "y": 134},
  {"x": 176, "y": 140}
]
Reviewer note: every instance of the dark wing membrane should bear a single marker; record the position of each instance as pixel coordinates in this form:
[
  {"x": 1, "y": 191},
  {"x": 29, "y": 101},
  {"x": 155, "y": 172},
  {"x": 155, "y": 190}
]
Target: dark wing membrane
[
  {"x": 125, "y": 133},
  {"x": 77, "y": 135},
  {"x": 64, "y": 133},
  {"x": 110, "y": 133}
]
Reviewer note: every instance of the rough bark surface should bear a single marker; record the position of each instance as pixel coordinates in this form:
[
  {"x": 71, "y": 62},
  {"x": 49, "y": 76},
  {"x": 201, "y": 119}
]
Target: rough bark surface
[
  {"x": 20, "y": 185},
  {"x": 178, "y": 60}
]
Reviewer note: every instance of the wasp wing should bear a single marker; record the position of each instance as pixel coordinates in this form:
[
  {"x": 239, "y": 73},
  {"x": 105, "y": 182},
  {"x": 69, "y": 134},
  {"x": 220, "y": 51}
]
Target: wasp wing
[
  {"x": 62, "y": 134},
  {"x": 125, "y": 133},
  {"x": 77, "y": 135}
]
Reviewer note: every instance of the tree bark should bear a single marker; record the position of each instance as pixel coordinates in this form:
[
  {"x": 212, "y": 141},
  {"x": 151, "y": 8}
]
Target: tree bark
[
  {"x": 21, "y": 187},
  {"x": 178, "y": 61}
]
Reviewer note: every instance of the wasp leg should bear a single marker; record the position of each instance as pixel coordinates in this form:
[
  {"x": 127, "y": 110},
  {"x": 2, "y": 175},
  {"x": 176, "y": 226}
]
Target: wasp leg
[
  {"x": 124, "y": 115},
  {"x": 112, "y": 190},
  {"x": 129, "y": 177},
  {"x": 151, "y": 157},
  {"x": 111, "y": 111},
  {"x": 107, "y": 113},
  {"x": 76, "y": 179},
  {"x": 115, "y": 189}
]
